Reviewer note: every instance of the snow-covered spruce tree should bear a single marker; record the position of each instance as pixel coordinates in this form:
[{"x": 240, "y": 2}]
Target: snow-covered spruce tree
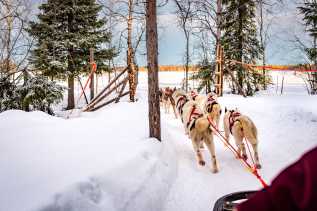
[
  {"x": 309, "y": 10},
  {"x": 65, "y": 31},
  {"x": 8, "y": 97},
  {"x": 38, "y": 93},
  {"x": 241, "y": 43},
  {"x": 205, "y": 76}
]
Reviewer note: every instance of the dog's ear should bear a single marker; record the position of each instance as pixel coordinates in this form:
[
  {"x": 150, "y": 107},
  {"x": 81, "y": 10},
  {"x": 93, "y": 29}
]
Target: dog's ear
[{"x": 226, "y": 109}]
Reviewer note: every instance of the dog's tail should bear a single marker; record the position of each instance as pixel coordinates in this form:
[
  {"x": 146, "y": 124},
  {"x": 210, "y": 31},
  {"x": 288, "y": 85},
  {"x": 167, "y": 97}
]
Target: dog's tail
[
  {"x": 216, "y": 110},
  {"x": 249, "y": 129}
]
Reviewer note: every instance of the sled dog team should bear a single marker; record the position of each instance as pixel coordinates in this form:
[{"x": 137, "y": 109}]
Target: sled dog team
[{"x": 197, "y": 113}]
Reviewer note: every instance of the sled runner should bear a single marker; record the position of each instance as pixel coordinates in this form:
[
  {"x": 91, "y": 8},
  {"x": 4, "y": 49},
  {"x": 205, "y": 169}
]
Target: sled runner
[{"x": 228, "y": 202}]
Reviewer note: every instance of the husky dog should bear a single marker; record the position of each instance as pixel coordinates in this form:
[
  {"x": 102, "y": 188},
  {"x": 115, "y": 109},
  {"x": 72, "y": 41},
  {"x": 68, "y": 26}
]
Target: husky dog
[
  {"x": 200, "y": 99},
  {"x": 212, "y": 108},
  {"x": 161, "y": 96},
  {"x": 241, "y": 126},
  {"x": 198, "y": 127},
  {"x": 180, "y": 99},
  {"x": 167, "y": 99}
]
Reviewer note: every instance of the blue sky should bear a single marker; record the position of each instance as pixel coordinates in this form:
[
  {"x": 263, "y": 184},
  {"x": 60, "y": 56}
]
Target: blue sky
[{"x": 280, "y": 50}]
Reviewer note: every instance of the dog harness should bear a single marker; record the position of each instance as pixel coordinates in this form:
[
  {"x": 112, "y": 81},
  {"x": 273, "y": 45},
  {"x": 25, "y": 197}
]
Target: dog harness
[
  {"x": 193, "y": 94},
  {"x": 180, "y": 104},
  {"x": 193, "y": 117},
  {"x": 210, "y": 104},
  {"x": 233, "y": 118}
]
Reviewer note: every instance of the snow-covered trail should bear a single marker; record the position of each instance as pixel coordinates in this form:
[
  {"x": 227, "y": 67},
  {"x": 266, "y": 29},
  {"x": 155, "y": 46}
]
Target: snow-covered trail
[
  {"x": 287, "y": 127},
  {"x": 196, "y": 188}
]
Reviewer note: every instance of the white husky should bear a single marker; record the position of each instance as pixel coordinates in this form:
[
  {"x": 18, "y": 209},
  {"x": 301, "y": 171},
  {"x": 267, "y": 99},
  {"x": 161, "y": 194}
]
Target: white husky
[
  {"x": 212, "y": 108},
  {"x": 241, "y": 126},
  {"x": 197, "y": 126},
  {"x": 200, "y": 99}
]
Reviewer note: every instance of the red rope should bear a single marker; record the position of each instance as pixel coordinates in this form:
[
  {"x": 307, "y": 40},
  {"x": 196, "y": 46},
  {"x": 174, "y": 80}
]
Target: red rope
[
  {"x": 192, "y": 113},
  {"x": 253, "y": 170},
  {"x": 247, "y": 143},
  {"x": 274, "y": 68},
  {"x": 94, "y": 68}
]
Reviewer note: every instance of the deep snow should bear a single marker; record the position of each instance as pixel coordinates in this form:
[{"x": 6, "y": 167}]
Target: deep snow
[{"x": 104, "y": 160}]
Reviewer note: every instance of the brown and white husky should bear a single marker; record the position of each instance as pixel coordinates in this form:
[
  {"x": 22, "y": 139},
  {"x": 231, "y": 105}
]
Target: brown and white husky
[
  {"x": 197, "y": 126},
  {"x": 241, "y": 127},
  {"x": 213, "y": 108},
  {"x": 200, "y": 99},
  {"x": 167, "y": 99}
]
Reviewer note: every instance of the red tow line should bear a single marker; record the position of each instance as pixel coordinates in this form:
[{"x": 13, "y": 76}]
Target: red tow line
[
  {"x": 193, "y": 113},
  {"x": 94, "y": 68},
  {"x": 226, "y": 142}
]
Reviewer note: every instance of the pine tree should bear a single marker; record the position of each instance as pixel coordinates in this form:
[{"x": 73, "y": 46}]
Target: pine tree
[
  {"x": 205, "y": 76},
  {"x": 240, "y": 41},
  {"x": 36, "y": 93},
  {"x": 309, "y": 10},
  {"x": 64, "y": 32}
]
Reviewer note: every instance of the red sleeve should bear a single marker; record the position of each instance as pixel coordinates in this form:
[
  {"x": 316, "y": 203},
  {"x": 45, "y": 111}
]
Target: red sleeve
[{"x": 293, "y": 189}]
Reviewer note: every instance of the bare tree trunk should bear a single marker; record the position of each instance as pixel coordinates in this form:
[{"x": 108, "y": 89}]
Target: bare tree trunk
[
  {"x": 262, "y": 43},
  {"x": 92, "y": 81},
  {"x": 130, "y": 54},
  {"x": 152, "y": 54},
  {"x": 282, "y": 86},
  {"x": 314, "y": 74},
  {"x": 71, "y": 96},
  {"x": 236, "y": 83},
  {"x": 187, "y": 61},
  {"x": 240, "y": 70},
  {"x": 184, "y": 12},
  {"x": 97, "y": 81},
  {"x": 218, "y": 22},
  {"x": 276, "y": 84},
  {"x": 8, "y": 35},
  {"x": 70, "y": 68}
]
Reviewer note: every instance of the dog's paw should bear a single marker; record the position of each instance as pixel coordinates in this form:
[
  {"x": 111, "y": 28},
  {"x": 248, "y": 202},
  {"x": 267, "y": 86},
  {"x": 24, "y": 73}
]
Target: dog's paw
[
  {"x": 214, "y": 170},
  {"x": 245, "y": 157},
  {"x": 258, "y": 166},
  {"x": 202, "y": 163}
]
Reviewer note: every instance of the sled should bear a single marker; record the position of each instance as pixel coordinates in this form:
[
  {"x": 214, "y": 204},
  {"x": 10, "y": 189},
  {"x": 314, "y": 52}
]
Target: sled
[{"x": 228, "y": 202}]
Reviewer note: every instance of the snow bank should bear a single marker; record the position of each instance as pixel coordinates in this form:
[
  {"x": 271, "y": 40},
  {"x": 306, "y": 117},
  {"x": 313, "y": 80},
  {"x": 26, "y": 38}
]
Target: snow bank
[
  {"x": 42, "y": 156},
  {"x": 141, "y": 183},
  {"x": 104, "y": 160}
]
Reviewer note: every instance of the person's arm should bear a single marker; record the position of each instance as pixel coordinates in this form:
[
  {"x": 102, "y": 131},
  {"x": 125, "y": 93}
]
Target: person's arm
[{"x": 293, "y": 189}]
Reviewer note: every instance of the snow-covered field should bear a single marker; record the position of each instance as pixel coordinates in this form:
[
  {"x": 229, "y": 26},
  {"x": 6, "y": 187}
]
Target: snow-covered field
[{"x": 105, "y": 161}]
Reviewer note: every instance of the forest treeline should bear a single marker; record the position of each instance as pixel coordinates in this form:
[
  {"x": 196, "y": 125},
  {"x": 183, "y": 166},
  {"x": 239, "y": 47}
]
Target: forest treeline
[{"x": 37, "y": 50}]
